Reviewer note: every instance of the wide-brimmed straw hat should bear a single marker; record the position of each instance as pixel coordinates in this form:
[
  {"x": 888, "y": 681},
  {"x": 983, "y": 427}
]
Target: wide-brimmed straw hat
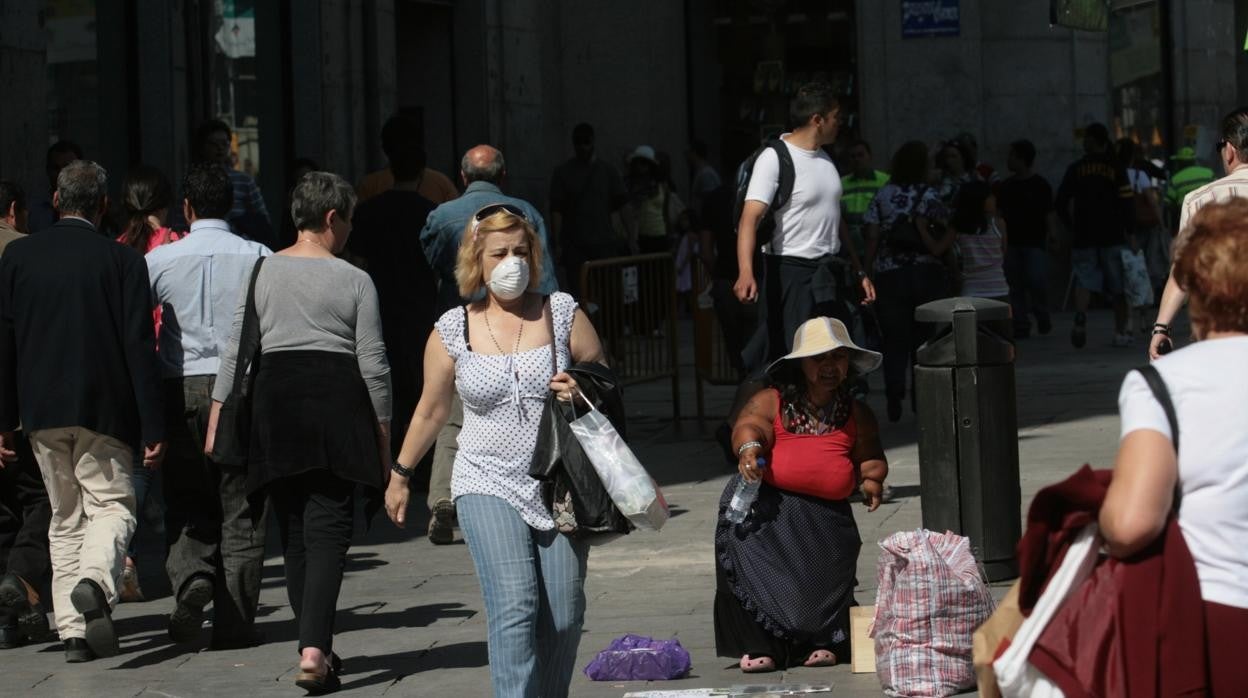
[{"x": 823, "y": 334}]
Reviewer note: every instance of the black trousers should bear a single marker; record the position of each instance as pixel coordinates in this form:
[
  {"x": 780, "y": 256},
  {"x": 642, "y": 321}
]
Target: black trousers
[
  {"x": 792, "y": 290},
  {"x": 211, "y": 528},
  {"x": 314, "y": 511},
  {"x": 24, "y": 518},
  {"x": 900, "y": 291}
]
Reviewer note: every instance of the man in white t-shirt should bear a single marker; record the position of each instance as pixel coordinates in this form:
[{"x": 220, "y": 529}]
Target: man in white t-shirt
[{"x": 800, "y": 272}]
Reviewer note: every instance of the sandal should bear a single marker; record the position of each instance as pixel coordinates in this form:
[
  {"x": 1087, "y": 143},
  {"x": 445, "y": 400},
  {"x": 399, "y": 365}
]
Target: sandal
[
  {"x": 820, "y": 657},
  {"x": 318, "y": 683},
  {"x": 757, "y": 665}
]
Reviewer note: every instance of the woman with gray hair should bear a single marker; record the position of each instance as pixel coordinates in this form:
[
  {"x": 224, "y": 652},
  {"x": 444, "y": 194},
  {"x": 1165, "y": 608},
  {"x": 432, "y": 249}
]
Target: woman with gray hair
[{"x": 320, "y": 402}]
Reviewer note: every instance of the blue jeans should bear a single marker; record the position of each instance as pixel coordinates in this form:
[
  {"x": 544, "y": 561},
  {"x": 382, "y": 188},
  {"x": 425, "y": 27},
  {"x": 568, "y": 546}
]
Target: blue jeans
[
  {"x": 1027, "y": 270},
  {"x": 534, "y": 588}
]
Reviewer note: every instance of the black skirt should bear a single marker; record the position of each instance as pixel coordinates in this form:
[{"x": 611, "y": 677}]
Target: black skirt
[
  {"x": 785, "y": 577},
  {"x": 311, "y": 411}
]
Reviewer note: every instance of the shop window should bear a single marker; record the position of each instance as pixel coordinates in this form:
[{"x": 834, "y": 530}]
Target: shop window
[
  {"x": 234, "y": 89},
  {"x": 1135, "y": 69}
]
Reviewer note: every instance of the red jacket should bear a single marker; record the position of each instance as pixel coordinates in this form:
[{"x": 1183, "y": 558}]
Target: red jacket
[{"x": 1135, "y": 627}]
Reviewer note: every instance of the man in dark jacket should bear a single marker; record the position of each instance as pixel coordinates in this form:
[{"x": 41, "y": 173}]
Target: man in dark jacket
[{"x": 78, "y": 373}]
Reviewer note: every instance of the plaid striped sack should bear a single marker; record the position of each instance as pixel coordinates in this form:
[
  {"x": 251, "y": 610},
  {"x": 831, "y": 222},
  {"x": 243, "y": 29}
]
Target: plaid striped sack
[{"x": 931, "y": 599}]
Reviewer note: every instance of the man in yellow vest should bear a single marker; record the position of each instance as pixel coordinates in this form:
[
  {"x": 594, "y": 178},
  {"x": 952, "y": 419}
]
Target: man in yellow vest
[
  {"x": 860, "y": 187},
  {"x": 1188, "y": 176}
]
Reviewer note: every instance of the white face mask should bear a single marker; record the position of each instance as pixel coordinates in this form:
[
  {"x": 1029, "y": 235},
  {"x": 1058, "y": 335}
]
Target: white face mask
[{"x": 510, "y": 278}]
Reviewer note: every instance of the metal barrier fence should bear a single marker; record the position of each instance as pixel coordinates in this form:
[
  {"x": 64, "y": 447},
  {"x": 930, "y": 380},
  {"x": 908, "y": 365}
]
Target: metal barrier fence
[
  {"x": 711, "y": 363},
  {"x": 632, "y": 303}
]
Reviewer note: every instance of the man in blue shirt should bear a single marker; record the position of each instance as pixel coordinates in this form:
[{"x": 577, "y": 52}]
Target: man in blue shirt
[
  {"x": 482, "y": 170},
  {"x": 216, "y": 539}
]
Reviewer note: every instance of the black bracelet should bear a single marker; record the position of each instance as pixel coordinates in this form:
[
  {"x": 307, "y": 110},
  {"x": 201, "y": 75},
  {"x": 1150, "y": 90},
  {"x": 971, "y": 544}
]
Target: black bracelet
[
  {"x": 1161, "y": 328},
  {"x": 398, "y": 468}
]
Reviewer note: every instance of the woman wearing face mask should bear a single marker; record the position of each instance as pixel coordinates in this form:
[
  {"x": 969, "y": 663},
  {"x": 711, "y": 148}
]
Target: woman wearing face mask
[
  {"x": 498, "y": 352},
  {"x": 320, "y": 409}
]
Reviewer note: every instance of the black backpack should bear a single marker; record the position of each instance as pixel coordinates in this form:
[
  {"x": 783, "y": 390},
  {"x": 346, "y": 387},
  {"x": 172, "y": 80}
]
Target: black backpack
[{"x": 766, "y": 226}]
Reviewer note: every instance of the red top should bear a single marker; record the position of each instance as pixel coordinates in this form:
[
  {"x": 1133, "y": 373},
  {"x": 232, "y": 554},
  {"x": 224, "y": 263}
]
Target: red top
[
  {"x": 815, "y": 464},
  {"x": 161, "y": 236}
]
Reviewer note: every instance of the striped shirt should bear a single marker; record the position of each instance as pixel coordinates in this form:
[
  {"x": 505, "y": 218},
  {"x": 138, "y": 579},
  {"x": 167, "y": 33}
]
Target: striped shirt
[
  {"x": 247, "y": 198},
  {"x": 983, "y": 263},
  {"x": 1234, "y": 185}
]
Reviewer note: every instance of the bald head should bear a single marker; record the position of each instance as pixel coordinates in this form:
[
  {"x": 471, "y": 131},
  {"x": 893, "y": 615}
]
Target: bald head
[{"x": 483, "y": 163}]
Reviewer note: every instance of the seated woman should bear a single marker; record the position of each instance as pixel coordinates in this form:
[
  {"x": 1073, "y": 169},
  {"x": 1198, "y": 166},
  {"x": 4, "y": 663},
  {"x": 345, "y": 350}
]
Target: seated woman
[
  {"x": 785, "y": 576},
  {"x": 1207, "y": 381}
]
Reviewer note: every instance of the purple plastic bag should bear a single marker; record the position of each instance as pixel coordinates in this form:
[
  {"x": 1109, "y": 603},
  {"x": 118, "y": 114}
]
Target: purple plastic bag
[{"x": 639, "y": 658}]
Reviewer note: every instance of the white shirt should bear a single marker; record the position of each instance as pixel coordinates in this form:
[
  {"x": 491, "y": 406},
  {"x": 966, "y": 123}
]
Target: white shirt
[
  {"x": 1208, "y": 383},
  {"x": 808, "y": 225}
]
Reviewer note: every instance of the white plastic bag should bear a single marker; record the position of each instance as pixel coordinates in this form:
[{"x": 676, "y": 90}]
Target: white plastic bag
[
  {"x": 631, "y": 488},
  {"x": 1016, "y": 677},
  {"x": 1135, "y": 281}
]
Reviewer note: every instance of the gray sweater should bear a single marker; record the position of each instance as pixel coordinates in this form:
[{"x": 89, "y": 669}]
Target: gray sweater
[{"x": 315, "y": 304}]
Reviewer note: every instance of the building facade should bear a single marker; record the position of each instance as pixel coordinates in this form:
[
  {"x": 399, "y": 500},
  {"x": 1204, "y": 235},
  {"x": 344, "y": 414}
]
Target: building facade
[{"x": 130, "y": 79}]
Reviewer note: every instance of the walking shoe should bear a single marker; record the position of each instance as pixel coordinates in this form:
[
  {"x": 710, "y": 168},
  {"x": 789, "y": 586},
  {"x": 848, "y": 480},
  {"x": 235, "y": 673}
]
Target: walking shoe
[
  {"x": 89, "y": 600},
  {"x": 78, "y": 651},
  {"x": 188, "y": 616},
  {"x": 30, "y": 622},
  {"x": 442, "y": 523},
  {"x": 1079, "y": 335},
  {"x": 128, "y": 589}
]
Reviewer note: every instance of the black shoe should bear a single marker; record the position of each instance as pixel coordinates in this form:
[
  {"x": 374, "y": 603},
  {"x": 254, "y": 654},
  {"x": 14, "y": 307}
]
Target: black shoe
[
  {"x": 78, "y": 651},
  {"x": 1079, "y": 334},
  {"x": 29, "y": 617},
  {"x": 188, "y": 616},
  {"x": 10, "y": 637},
  {"x": 894, "y": 409},
  {"x": 89, "y": 600},
  {"x": 442, "y": 523},
  {"x": 1044, "y": 324}
]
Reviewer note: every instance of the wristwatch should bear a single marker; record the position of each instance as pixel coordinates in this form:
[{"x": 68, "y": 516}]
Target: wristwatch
[{"x": 398, "y": 468}]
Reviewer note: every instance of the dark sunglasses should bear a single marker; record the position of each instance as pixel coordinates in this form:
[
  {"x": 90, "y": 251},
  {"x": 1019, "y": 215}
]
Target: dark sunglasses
[{"x": 500, "y": 208}]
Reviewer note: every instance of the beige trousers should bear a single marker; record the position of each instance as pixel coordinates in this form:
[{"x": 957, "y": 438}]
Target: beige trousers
[{"x": 92, "y": 497}]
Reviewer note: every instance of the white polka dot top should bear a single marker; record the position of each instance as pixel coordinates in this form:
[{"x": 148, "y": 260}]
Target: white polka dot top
[{"x": 503, "y": 396}]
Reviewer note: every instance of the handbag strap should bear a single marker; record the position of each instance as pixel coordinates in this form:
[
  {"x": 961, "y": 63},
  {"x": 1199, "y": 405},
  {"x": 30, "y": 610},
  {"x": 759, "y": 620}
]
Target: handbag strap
[
  {"x": 1162, "y": 394},
  {"x": 550, "y": 324},
  {"x": 249, "y": 336}
]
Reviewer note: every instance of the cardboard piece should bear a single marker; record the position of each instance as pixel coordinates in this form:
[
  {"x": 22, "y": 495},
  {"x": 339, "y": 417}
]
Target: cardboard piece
[{"x": 861, "y": 646}]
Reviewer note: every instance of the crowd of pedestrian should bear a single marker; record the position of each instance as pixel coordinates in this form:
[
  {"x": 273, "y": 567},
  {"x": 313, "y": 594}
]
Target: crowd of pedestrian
[{"x": 300, "y": 371}]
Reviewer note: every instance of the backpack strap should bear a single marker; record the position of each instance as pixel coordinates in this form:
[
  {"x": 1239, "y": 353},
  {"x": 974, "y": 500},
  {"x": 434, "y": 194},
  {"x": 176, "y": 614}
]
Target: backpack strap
[{"x": 788, "y": 174}]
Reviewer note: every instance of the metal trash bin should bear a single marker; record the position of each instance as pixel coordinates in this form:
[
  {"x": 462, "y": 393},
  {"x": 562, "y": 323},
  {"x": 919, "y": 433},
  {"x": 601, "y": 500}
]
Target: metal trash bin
[{"x": 968, "y": 428}]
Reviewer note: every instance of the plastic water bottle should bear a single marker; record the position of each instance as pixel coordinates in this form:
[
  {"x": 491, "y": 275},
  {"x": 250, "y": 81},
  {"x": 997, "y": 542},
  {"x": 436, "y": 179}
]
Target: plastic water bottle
[{"x": 744, "y": 496}]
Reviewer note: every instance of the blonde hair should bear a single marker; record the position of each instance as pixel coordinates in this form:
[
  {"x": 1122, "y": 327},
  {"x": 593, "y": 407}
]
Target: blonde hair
[{"x": 469, "y": 266}]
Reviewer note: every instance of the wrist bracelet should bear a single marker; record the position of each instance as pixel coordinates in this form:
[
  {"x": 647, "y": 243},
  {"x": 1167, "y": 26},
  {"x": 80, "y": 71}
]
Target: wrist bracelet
[
  {"x": 1161, "y": 329},
  {"x": 748, "y": 445},
  {"x": 405, "y": 472}
]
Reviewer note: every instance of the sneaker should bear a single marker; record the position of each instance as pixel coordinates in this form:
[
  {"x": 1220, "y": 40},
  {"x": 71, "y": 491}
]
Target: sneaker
[
  {"x": 1044, "y": 324},
  {"x": 128, "y": 589},
  {"x": 1079, "y": 334},
  {"x": 188, "y": 616},
  {"x": 89, "y": 600},
  {"x": 442, "y": 523},
  {"x": 1123, "y": 339}
]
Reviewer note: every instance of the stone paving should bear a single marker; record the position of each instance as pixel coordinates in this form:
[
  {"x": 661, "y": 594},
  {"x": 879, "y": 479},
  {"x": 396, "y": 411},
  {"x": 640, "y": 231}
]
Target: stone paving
[{"x": 411, "y": 620}]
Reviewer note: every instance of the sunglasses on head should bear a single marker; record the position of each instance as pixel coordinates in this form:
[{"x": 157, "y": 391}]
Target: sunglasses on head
[{"x": 492, "y": 209}]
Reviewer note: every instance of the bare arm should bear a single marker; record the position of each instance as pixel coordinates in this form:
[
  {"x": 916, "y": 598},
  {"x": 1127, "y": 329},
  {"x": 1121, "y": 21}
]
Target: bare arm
[
  {"x": 1141, "y": 494},
  {"x": 755, "y": 424},
  {"x": 586, "y": 348},
  {"x": 1172, "y": 300},
  {"x": 868, "y": 456},
  {"x": 746, "y": 287},
  {"x": 430, "y": 416}
]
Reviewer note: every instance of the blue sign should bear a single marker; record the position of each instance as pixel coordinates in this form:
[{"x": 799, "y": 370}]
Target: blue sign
[{"x": 928, "y": 18}]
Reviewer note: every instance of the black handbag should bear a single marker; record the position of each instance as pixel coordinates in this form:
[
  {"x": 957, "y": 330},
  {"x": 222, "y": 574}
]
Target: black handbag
[{"x": 230, "y": 445}]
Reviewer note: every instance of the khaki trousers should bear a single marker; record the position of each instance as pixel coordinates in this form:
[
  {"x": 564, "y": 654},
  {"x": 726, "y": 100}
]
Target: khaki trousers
[{"x": 92, "y": 499}]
